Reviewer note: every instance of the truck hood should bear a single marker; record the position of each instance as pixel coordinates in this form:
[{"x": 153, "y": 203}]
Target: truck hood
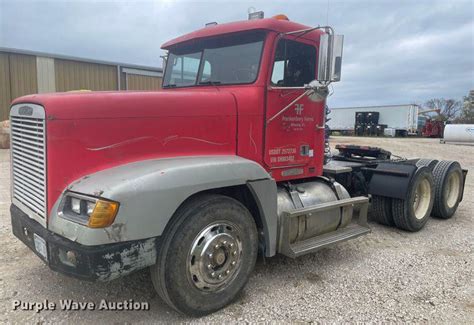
[
  {"x": 125, "y": 104},
  {"x": 88, "y": 132}
]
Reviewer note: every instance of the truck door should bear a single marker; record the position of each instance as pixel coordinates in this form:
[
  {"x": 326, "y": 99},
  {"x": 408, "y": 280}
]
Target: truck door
[{"x": 294, "y": 141}]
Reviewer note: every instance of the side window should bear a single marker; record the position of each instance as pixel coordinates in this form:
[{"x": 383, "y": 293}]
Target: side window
[
  {"x": 278, "y": 74},
  {"x": 294, "y": 65},
  {"x": 184, "y": 69},
  {"x": 206, "y": 71}
]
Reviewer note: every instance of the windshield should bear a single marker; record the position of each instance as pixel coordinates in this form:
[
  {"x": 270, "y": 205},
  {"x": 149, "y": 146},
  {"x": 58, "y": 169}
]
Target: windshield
[{"x": 223, "y": 60}]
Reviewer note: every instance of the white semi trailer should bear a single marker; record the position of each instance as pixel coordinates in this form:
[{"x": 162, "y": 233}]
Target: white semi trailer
[{"x": 403, "y": 119}]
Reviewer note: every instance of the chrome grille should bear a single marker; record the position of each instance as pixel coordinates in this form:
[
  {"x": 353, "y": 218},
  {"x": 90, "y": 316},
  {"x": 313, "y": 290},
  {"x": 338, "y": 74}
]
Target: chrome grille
[{"x": 28, "y": 149}]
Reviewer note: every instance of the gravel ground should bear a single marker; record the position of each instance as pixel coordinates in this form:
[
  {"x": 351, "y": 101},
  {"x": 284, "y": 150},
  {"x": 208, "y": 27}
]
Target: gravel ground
[{"x": 388, "y": 275}]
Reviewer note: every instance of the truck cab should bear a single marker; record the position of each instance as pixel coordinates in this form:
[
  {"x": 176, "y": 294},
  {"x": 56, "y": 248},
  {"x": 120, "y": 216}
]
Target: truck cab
[
  {"x": 224, "y": 163},
  {"x": 265, "y": 66}
]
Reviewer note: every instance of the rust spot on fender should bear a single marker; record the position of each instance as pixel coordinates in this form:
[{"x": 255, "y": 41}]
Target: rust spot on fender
[{"x": 130, "y": 259}]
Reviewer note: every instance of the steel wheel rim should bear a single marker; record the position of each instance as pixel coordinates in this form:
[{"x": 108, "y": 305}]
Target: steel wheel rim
[
  {"x": 215, "y": 256},
  {"x": 451, "y": 193},
  {"x": 422, "y": 200}
]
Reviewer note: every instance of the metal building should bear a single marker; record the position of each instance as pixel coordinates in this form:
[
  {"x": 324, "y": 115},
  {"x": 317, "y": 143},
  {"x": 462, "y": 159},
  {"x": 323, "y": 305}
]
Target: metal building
[{"x": 26, "y": 72}]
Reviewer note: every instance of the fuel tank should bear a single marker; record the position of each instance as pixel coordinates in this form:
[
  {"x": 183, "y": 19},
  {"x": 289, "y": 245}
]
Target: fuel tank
[
  {"x": 307, "y": 194},
  {"x": 459, "y": 133}
]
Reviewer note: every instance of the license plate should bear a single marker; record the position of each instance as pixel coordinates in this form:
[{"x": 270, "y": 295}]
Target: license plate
[{"x": 40, "y": 246}]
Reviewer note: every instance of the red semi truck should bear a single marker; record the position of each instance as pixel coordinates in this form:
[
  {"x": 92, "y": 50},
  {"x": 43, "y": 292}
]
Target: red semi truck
[{"x": 225, "y": 162}]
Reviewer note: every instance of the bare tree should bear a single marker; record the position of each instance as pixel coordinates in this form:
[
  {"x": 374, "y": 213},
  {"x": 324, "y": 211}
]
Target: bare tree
[
  {"x": 448, "y": 108},
  {"x": 467, "y": 114}
]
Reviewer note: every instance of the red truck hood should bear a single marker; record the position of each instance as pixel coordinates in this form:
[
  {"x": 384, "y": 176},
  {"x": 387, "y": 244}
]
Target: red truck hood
[
  {"x": 125, "y": 104},
  {"x": 88, "y": 132}
]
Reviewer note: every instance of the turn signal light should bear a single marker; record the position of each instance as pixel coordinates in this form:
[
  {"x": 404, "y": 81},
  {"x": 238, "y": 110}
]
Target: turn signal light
[
  {"x": 103, "y": 214},
  {"x": 281, "y": 17}
]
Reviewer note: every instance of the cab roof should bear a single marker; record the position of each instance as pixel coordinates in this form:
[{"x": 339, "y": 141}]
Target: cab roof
[{"x": 272, "y": 24}]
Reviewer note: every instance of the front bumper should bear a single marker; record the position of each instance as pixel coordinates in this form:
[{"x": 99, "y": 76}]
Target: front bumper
[{"x": 101, "y": 262}]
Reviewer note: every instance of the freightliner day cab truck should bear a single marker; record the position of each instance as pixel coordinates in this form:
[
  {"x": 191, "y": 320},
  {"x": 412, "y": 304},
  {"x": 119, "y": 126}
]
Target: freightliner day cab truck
[{"x": 225, "y": 162}]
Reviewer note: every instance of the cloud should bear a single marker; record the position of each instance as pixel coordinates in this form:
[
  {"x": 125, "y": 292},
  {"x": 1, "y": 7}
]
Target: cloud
[
  {"x": 394, "y": 52},
  {"x": 430, "y": 40}
]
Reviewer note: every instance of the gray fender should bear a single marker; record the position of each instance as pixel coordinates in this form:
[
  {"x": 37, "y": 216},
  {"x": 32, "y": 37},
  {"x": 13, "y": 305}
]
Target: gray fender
[{"x": 150, "y": 191}]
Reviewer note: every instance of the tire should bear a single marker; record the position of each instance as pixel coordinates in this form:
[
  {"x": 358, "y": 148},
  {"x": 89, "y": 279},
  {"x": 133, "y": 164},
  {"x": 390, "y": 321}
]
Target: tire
[
  {"x": 412, "y": 213},
  {"x": 448, "y": 180},
  {"x": 382, "y": 210},
  {"x": 430, "y": 163},
  {"x": 189, "y": 279}
]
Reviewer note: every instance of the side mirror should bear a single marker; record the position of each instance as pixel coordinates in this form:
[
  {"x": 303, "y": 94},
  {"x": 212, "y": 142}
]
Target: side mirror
[{"x": 330, "y": 57}]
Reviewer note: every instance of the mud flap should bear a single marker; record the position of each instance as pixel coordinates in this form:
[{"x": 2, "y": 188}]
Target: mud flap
[{"x": 390, "y": 179}]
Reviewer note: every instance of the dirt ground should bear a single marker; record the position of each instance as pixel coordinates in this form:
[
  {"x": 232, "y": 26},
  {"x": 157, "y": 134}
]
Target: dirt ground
[{"x": 388, "y": 275}]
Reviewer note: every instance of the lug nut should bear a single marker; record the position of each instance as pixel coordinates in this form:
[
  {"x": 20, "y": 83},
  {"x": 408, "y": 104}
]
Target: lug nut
[
  {"x": 233, "y": 263},
  {"x": 234, "y": 253},
  {"x": 216, "y": 247},
  {"x": 209, "y": 266},
  {"x": 224, "y": 242},
  {"x": 227, "y": 272},
  {"x": 220, "y": 276},
  {"x": 213, "y": 274},
  {"x": 231, "y": 245},
  {"x": 209, "y": 255}
]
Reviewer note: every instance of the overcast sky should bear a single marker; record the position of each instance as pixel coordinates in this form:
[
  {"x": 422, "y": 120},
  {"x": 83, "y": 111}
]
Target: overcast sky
[{"x": 394, "y": 52}]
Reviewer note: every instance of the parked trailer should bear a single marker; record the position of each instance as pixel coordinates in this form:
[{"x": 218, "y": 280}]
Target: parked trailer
[
  {"x": 196, "y": 179},
  {"x": 402, "y": 118}
]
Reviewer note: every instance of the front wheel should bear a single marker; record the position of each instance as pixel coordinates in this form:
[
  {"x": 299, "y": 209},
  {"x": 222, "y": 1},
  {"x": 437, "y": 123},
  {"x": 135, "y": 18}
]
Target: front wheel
[{"x": 207, "y": 255}]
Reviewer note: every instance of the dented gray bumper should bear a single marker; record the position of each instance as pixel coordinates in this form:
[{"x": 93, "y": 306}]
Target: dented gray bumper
[{"x": 100, "y": 262}]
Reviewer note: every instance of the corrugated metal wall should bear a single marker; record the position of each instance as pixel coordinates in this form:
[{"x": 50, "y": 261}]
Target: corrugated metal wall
[
  {"x": 74, "y": 75},
  {"x": 123, "y": 81},
  {"x": 23, "y": 73},
  {"x": 17, "y": 78},
  {"x": 140, "y": 82},
  {"x": 46, "y": 75},
  {"x": 5, "y": 95}
]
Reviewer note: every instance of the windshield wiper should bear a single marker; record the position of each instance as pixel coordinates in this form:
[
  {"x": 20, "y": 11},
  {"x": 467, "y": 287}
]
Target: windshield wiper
[
  {"x": 210, "y": 82},
  {"x": 170, "y": 86}
]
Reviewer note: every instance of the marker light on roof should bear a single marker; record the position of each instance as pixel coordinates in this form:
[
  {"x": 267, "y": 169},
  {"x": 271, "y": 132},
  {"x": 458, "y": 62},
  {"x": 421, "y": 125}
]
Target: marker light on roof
[{"x": 281, "y": 17}]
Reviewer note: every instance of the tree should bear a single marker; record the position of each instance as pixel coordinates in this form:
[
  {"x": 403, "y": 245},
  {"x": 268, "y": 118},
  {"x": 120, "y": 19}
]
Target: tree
[
  {"x": 448, "y": 108},
  {"x": 467, "y": 114}
]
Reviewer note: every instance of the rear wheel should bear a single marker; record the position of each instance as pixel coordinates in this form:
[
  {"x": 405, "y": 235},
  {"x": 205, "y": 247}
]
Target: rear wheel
[
  {"x": 382, "y": 210},
  {"x": 431, "y": 163},
  {"x": 448, "y": 179},
  {"x": 207, "y": 255},
  {"x": 412, "y": 213}
]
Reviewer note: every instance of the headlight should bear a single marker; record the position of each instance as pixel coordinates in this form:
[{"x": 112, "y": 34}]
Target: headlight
[
  {"x": 76, "y": 205},
  {"x": 88, "y": 210}
]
